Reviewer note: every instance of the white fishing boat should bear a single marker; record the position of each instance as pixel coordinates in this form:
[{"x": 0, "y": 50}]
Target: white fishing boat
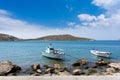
[
  {"x": 100, "y": 53},
  {"x": 53, "y": 53}
]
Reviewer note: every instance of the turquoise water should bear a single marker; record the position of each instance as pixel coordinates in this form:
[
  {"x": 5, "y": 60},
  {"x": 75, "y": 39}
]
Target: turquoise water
[{"x": 26, "y": 53}]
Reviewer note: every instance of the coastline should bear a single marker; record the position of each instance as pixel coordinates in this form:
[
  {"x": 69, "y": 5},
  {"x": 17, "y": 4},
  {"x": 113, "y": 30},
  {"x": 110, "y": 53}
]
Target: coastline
[{"x": 81, "y": 67}]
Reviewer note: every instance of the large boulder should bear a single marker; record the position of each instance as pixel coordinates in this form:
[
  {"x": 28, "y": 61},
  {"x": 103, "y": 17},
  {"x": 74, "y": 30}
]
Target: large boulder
[
  {"x": 101, "y": 62},
  {"x": 56, "y": 66},
  {"x": 76, "y": 64},
  {"x": 83, "y": 61},
  {"x": 35, "y": 67},
  {"x": 115, "y": 65},
  {"x": 77, "y": 72},
  {"x": 110, "y": 70},
  {"x": 8, "y": 68},
  {"x": 80, "y": 61},
  {"x": 49, "y": 71}
]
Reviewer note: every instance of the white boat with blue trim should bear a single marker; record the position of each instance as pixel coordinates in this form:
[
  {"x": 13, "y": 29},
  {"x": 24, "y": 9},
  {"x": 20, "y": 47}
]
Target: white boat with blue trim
[
  {"x": 53, "y": 53},
  {"x": 101, "y": 53}
]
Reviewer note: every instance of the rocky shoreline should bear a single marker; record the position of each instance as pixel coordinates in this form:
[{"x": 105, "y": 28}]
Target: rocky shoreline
[{"x": 81, "y": 67}]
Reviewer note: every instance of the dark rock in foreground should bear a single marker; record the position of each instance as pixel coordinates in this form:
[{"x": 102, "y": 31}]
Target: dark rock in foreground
[{"x": 7, "y": 68}]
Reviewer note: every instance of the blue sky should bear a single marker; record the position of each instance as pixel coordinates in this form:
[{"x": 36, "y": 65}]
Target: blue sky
[{"x": 83, "y": 18}]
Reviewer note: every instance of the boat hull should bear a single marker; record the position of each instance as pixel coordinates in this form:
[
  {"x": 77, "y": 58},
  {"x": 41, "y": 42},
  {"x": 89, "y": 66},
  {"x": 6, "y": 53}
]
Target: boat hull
[
  {"x": 52, "y": 56},
  {"x": 100, "y": 54}
]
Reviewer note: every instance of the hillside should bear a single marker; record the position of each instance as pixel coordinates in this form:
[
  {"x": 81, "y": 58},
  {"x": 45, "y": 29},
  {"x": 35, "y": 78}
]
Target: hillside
[
  {"x": 5, "y": 37},
  {"x": 62, "y": 37}
]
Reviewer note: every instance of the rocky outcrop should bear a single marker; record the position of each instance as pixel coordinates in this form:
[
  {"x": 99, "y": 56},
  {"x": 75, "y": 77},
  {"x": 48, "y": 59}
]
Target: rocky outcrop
[
  {"x": 115, "y": 65},
  {"x": 5, "y": 37},
  {"x": 80, "y": 62},
  {"x": 36, "y": 69},
  {"x": 83, "y": 61},
  {"x": 101, "y": 62},
  {"x": 8, "y": 67},
  {"x": 77, "y": 72}
]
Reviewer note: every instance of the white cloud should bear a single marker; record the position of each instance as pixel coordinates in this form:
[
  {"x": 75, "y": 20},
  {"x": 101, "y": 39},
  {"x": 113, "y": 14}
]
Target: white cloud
[
  {"x": 88, "y": 20},
  {"x": 107, "y": 4},
  {"x": 71, "y": 23},
  {"x": 4, "y": 12},
  {"x": 86, "y": 17},
  {"x": 112, "y": 6},
  {"x": 103, "y": 26}
]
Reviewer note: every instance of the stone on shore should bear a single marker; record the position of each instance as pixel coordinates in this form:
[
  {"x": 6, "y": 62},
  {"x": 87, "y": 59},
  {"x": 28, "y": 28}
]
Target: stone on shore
[
  {"x": 49, "y": 70},
  {"x": 115, "y": 65},
  {"x": 8, "y": 68},
  {"x": 39, "y": 71},
  {"x": 77, "y": 72},
  {"x": 110, "y": 70},
  {"x": 83, "y": 61},
  {"x": 56, "y": 66},
  {"x": 101, "y": 63},
  {"x": 76, "y": 64},
  {"x": 35, "y": 67}
]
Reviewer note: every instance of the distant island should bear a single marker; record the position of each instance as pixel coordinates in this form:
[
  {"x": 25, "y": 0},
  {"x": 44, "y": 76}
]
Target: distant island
[
  {"x": 62, "y": 37},
  {"x": 6, "y": 37}
]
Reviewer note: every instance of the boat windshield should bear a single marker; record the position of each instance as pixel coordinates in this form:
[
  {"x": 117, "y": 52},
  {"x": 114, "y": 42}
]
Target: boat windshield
[{"x": 51, "y": 48}]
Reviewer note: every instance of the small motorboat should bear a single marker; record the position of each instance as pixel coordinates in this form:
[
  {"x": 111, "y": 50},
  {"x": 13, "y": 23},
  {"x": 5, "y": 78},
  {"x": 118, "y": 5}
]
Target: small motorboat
[
  {"x": 53, "y": 53},
  {"x": 101, "y": 53}
]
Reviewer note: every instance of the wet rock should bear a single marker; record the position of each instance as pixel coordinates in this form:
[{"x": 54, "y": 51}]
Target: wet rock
[
  {"x": 65, "y": 68},
  {"x": 39, "y": 71},
  {"x": 46, "y": 66},
  {"x": 83, "y": 61},
  {"x": 56, "y": 66},
  {"x": 49, "y": 70},
  {"x": 8, "y": 67},
  {"x": 101, "y": 62},
  {"x": 94, "y": 66},
  {"x": 77, "y": 72},
  {"x": 76, "y": 64},
  {"x": 35, "y": 67},
  {"x": 86, "y": 67}
]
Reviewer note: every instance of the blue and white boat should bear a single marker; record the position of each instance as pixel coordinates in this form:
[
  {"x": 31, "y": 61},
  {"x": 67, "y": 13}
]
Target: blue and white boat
[
  {"x": 53, "y": 53},
  {"x": 101, "y": 53}
]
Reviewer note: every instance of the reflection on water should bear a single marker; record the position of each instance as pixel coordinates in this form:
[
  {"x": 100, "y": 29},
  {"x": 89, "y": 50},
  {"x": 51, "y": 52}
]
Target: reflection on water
[
  {"x": 104, "y": 58},
  {"x": 51, "y": 62}
]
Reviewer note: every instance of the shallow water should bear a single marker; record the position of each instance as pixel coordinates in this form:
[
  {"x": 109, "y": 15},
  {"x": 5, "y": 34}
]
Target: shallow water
[{"x": 26, "y": 53}]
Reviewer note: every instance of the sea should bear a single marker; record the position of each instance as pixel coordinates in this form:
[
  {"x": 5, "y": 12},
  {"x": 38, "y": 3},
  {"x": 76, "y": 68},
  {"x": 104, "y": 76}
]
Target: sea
[{"x": 26, "y": 53}]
